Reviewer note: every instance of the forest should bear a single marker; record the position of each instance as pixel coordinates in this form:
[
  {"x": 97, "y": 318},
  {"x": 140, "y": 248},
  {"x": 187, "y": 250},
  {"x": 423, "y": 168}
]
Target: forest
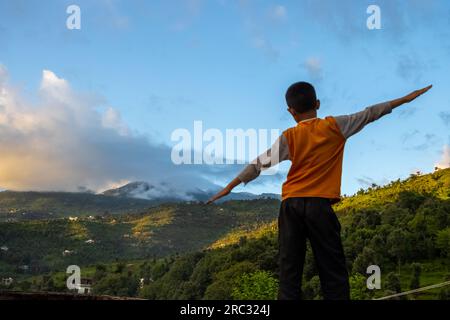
[{"x": 403, "y": 227}]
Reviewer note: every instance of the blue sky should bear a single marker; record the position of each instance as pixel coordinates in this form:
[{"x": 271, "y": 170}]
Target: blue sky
[{"x": 161, "y": 65}]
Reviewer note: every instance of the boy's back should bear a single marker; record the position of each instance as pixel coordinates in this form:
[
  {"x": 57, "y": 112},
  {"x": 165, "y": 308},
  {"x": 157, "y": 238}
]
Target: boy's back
[{"x": 316, "y": 150}]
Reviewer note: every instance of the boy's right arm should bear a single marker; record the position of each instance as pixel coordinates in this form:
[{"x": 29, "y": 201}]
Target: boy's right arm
[
  {"x": 351, "y": 124},
  {"x": 277, "y": 153}
]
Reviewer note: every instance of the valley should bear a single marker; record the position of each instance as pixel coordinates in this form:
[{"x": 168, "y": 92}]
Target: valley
[{"x": 188, "y": 250}]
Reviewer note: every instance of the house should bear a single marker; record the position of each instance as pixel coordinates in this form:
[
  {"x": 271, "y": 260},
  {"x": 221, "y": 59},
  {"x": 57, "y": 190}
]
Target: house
[
  {"x": 67, "y": 253},
  {"x": 24, "y": 267},
  {"x": 85, "y": 287},
  {"x": 73, "y": 218},
  {"x": 4, "y": 248},
  {"x": 90, "y": 241},
  {"x": 7, "y": 281}
]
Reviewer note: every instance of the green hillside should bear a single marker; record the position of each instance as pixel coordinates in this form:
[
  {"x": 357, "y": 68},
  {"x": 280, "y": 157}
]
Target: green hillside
[
  {"x": 159, "y": 231},
  {"x": 403, "y": 227},
  {"x": 20, "y": 206},
  {"x": 435, "y": 185}
]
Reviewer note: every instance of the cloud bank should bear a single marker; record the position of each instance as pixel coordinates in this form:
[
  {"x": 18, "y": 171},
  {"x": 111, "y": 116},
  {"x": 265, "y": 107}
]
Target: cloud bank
[{"x": 65, "y": 140}]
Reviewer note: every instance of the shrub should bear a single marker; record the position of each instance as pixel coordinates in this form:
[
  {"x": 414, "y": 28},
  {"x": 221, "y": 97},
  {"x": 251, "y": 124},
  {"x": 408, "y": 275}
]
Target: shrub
[{"x": 259, "y": 285}]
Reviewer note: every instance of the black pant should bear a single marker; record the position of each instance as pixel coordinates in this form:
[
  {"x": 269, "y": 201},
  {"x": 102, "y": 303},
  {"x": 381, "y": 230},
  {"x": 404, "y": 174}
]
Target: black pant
[{"x": 311, "y": 218}]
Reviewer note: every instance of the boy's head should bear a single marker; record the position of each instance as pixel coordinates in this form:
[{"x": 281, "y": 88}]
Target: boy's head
[{"x": 301, "y": 97}]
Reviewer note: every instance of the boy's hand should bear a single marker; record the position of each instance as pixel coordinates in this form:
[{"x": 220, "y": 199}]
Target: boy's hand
[
  {"x": 413, "y": 95},
  {"x": 225, "y": 191},
  {"x": 410, "y": 97}
]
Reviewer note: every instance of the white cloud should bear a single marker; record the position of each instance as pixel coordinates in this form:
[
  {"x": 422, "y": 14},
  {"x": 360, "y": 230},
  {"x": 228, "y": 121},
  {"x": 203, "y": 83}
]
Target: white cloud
[
  {"x": 63, "y": 142},
  {"x": 262, "y": 43},
  {"x": 313, "y": 66},
  {"x": 111, "y": 119},
  {"x": 444, "y": 162},
  {"x": 53, "y": 86},
  {"x": 278, "y": 13},
  {"x": 3, "y": 73}
]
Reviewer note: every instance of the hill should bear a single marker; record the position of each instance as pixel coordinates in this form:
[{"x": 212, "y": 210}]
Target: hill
[
  {"x": 435, "y": 185},
  {"x": 48, "y": 245},
  {"x": 19, "y": 206},
  {"x": 26, "y": 206},
  {"x": 403, "y": 227}
]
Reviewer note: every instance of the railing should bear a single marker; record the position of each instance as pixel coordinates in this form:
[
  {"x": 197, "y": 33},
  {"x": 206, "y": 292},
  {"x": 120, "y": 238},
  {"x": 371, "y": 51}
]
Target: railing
[{"x": 438, "y": 285}]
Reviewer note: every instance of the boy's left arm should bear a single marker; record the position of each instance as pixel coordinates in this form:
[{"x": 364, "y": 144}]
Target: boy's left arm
[
  {"x": 353, "y": 123},
  {"x": 276, "y": 154}
]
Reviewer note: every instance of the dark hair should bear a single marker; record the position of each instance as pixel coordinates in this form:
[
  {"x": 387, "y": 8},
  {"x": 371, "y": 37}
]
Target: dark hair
[{"x": 301, "y": 96}]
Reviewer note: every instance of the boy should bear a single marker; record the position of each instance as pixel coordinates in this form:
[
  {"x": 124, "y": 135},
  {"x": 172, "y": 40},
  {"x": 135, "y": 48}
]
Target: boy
[{"x": 315, "y": 147}]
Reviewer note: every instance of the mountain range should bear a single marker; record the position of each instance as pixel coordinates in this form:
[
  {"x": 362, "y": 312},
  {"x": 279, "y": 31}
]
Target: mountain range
[
  {"x": 133, "y": 197},
  {"x": 148, "y": 191}
]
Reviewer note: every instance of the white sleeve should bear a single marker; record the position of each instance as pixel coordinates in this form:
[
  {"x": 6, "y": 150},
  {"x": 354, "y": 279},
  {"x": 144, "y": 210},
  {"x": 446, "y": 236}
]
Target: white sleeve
[
  {"x": 277, "y": 153},
  {"x": 353, "y": 123}
]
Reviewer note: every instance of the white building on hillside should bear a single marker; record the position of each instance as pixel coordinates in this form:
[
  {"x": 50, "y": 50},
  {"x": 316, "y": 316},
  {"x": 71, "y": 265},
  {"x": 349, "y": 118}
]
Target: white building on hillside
[{"x": 7, "y": 281}]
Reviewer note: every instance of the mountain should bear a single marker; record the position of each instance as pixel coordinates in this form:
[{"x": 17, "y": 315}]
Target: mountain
[
  {"x": 162, "y": 192},
  {"x": 134, "y": 197}
]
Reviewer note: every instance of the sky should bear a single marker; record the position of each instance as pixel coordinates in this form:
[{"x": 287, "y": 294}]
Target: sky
[{"x": 95, "y": 108}]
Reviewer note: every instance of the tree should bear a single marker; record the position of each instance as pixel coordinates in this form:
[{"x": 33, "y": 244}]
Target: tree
[
  {"x": 259, "y": 285},
  {"x": 398, "y": 245},
  {"x": 415, "y": 280},
  {"x": 443, "y": 241},
  {"x": 410, "y": 200},
  {"x": 224, "y": 281},
  {"x": 358, "y": 288},
  {"x": 120, "y": 267},
  {"x": 158, "y": 269},
  {"x": 363, "y": 260},
  {"x": 100, "y": 272},
  {"x": 392, "y": 282},
  {"x": 117, "y": 284}
]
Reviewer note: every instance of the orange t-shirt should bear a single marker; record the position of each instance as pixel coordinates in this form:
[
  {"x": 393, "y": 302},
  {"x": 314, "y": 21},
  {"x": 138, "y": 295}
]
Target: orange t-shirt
[{"x": 316, "y": 149}]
